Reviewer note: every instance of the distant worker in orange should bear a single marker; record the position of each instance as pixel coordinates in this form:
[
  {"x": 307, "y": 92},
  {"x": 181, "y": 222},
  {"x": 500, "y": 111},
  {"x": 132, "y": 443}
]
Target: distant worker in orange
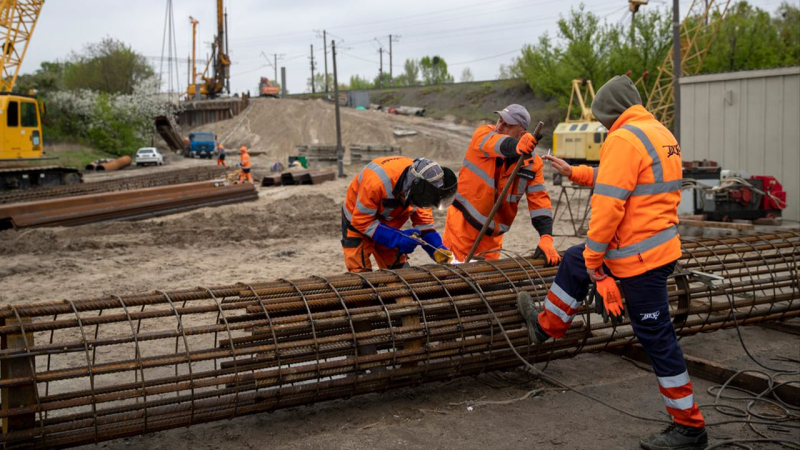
[
  {"x": 244, "y": 164},
  {"x": 490, "y": 159},
  {"x": 221, "y": 156},
  {"x": 381, "y": 199},
  {"x": 632, "y": 238}
]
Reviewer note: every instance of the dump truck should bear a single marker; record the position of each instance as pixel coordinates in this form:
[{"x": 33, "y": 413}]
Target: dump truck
[{"x": 202, "y": 144}]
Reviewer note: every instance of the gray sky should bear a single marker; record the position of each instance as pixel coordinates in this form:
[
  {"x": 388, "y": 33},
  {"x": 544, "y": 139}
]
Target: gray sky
[{"x": 466, "y": 33}]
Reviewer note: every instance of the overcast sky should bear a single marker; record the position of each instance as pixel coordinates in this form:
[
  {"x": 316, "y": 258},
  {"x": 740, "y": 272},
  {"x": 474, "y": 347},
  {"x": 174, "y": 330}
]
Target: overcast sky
[{"x": 466, "y": 33}]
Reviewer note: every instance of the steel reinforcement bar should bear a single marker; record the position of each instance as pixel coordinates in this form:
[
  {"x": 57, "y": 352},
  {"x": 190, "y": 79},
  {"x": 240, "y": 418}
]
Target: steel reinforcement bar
[
  {"x": 178, "y": 176},
  {"x": 85, "y": 371}
]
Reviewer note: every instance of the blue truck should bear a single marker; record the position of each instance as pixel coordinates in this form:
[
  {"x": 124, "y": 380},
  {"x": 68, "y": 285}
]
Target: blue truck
[{"x": 202, "y": 144}]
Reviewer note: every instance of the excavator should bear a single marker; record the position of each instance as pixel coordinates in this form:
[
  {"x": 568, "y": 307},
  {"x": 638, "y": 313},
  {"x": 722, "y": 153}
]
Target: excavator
[
  {"x": 20, "y": 114},
  {"x": 219, "y": 81}
]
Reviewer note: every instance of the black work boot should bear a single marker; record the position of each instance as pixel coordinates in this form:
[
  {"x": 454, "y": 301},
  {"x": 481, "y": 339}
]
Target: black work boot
[
  {"x": 531, "y": 315},
  {"x": 674, "y": 437}
]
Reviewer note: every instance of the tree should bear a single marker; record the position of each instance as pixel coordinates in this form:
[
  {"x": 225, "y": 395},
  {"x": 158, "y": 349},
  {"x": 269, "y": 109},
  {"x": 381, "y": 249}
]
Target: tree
[
  {"x": 466, "y": 75},
  {"x": 746, "y": 39},
  {"x": 108, "y": 66},
  {"x": 787, "y": 21},
  {"x": 382, "y": 80},
  {"x": 434, "y": 70},
  {"x": 358, "y": 83},
  {"x": 319, "y": 83},
  {"x": 411, "y": 72},
  {"x": 504, "y": 72},
  {"x": 46, "y": 79}
]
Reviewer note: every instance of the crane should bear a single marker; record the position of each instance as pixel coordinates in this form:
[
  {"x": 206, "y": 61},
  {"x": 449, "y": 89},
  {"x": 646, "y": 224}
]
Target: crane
[
  {"x": 219, "y": 81},
  {"x": 20, "y": 119}
]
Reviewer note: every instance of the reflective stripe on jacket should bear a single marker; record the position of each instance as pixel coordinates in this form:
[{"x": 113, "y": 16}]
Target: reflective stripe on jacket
[
  {"x": 483, "y": 174},
  {"x": 370, "y": 199},
  {"x": 636, "y": 194}
]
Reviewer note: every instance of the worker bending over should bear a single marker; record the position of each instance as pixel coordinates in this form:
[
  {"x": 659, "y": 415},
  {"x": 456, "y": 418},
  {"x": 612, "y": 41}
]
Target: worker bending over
[
  {"x": 244, "y": 164},
  {"x": 221, "y": 156},
  {"x": 632, "y": 238},
  {"x": 381, "y": 198},
  {"x": 490, "y": 159}
]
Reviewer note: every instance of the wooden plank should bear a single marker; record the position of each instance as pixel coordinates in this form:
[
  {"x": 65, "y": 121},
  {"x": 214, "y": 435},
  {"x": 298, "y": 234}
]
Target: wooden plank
[
  {"x": 717, "y": 373},
  {"x": 711, "y": 224}
]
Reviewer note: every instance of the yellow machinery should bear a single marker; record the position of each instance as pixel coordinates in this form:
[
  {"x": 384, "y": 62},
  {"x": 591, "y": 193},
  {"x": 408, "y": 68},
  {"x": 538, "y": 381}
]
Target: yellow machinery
[
  {"x": 20, "y": 121},
  {"x": 218, "y": 82},
  {"x": 579, "y": 140}
]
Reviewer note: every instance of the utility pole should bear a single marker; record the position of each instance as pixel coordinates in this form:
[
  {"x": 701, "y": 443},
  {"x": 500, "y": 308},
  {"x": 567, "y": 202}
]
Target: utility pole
[
  {"x": 392, "y": 38},
  {"x": 312, "y": 69},
  {"x": 676, "y": 68},
  {"x": 380, "y": 71},
  {"x": 276, "y": 57},
  {"x": 325, "y": 48},
  {"x": 339, "y": 150}
]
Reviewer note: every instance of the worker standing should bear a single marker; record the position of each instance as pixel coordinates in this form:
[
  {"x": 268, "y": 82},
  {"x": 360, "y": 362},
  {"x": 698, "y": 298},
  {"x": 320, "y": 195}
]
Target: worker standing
[
  {"x": 221, "y": 156},
  {"x": 381, "y": 199},
  {"x": 488, "y": 164},
  {"x": 632, "y": 237},
  {"x": 244, "y": 164}
]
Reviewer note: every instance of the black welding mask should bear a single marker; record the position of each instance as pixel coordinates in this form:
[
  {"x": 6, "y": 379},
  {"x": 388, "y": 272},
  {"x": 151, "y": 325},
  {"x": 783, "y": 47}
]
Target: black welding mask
[{"x": 431, "y": 186}]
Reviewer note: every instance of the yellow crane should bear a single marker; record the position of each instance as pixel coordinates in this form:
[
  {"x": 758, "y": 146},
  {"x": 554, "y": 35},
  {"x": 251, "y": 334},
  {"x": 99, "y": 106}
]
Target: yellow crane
[
  {"x": 218, "y": 81},
  {"x": 20, "y": 119}
]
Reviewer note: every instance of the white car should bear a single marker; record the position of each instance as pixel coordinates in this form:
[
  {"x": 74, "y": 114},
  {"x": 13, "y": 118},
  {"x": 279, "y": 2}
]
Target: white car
[{"x": 149, "y": 155}]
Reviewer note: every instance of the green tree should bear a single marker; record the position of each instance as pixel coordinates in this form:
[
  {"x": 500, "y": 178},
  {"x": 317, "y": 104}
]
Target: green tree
[
  {"x": 466, "y": 75},
  {"x": 787, "y": 21},
  {"x": 382, "y": 80},
  {"x": 319, "y": 83},
  {"x": 47, "y": 78},
  {"x": 434, "y": 70},
  {"x": 746, "y": 39},
  {"x": 358, "y": 83},
  {"x": 108, "y": 66}
]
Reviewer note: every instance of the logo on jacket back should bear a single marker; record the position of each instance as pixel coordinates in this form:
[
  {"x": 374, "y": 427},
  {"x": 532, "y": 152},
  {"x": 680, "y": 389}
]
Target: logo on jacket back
[
  {"x": 673, "y": 150},
  {"x": 652, "y": 315}
]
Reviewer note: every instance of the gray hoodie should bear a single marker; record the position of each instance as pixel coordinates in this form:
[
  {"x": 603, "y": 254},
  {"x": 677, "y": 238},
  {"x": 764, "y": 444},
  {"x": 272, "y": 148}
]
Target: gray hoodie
[{"x": 614, "y": 98}]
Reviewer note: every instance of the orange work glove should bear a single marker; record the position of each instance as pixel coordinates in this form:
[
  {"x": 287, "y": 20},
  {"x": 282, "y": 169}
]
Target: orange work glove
[
  {"x": 547, "y": 251},
  {"x": 609, "y": 304},
  {"x": 526, "y": 144}
]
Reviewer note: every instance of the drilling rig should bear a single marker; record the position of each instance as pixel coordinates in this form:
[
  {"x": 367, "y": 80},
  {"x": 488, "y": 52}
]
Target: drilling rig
[{"x": 219, "y": 80}]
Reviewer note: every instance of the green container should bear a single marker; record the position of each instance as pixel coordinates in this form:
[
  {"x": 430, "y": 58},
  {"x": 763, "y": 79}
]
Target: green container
[{"x": 302, "y": 159}]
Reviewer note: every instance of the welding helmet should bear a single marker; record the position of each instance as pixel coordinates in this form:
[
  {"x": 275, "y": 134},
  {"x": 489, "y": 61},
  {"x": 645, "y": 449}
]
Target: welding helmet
[{"x": 432, "y": 186}]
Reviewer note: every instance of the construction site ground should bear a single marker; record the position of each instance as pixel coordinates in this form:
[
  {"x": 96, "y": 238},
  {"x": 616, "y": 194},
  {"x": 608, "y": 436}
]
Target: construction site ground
[{"x": 293, "y": 232}]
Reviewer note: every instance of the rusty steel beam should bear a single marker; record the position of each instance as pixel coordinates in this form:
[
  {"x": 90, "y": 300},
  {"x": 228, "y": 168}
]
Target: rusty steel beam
[
  {"x": 122, "y": 205},
  {"x": 123, "y": 365}
]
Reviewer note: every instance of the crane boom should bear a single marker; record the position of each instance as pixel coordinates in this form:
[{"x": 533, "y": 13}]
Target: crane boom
[{"x": 18, "y": 19}]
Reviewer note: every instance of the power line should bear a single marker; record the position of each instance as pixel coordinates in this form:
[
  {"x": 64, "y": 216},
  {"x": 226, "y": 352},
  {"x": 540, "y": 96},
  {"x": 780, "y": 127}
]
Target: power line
[{"x": 485, "y": 58}]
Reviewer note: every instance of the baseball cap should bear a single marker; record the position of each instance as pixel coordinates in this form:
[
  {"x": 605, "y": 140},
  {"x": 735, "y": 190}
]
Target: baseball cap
[{"x": 515, "y": 114}]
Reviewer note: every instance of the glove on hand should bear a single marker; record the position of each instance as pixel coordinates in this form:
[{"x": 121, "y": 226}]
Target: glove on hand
[
  {"x": 393, "y": 238},
  {"x": 435, "y": 249},
  {"x": 547, "y": 251},
  {"x": 608, "y": 301},
  {"x": 526, "y": 144}
]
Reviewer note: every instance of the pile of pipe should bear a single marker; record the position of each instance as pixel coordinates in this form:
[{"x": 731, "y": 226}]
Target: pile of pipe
[{"x": 90, "y": 370}]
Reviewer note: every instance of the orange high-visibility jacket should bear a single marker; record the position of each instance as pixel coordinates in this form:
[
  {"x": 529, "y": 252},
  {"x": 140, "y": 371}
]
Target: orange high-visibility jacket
[
  {"x": 485, "y": 171},
  {"x": 245, "y": 160},
  {"x": 636, "y": 194},
  {"x": 371, "y": 199}
]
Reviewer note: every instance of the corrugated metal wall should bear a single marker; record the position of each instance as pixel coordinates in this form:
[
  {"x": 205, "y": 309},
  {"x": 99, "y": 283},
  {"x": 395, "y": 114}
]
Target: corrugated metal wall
[{"x": 747, "y": 121}]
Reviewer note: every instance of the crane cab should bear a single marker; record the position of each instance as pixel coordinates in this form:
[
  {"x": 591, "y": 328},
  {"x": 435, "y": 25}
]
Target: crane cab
[
  {"x": 20, "y": 127},
  {"x": 579, "y": 142}
]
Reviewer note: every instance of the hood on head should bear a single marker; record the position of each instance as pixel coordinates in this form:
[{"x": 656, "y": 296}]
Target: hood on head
[{"x": 613, "y": 99}]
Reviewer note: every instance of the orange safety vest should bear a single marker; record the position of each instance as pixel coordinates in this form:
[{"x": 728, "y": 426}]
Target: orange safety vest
[
  {"x": 637, "y": 189},
  {"x": 245, "y": 160},
  {"x": 483, "y": 175},
  {"x": 371, "y": 199}
]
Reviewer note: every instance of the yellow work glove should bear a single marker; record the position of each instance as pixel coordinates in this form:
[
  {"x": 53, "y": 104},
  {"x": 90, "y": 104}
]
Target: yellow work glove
[{"x": 443, "y": 256}]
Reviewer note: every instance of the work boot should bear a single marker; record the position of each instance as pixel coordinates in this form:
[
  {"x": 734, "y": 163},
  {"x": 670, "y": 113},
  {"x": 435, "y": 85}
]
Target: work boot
[
  {"x": 674, "y": 437},
  {"x": 530, "y": 313}
]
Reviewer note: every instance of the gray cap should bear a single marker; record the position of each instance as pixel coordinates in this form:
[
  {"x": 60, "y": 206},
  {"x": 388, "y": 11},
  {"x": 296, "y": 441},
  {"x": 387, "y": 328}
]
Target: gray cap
[
  {"x": 515, "y": 114},
  {"x": 614, "y": 98},
  {"x": 428, "y": 170}
]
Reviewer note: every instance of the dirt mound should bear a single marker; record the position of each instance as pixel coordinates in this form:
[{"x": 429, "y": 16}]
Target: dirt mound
[
  {"x": 296, "y": 217},
  {"x": 275, "y": 126}
]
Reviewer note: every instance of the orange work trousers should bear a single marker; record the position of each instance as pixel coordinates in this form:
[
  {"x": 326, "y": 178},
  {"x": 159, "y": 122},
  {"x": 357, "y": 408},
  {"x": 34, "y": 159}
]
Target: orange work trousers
[
  {"x": 221, "y": 162},
  {"x": 245, "y": 175}
]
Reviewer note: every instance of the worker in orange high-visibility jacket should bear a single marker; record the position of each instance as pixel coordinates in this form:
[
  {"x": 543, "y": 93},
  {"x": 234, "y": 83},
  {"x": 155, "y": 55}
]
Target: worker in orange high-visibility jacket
[
  {"x": 487, "y": 166},
  {"x": 381, "y": 199},
  {"x": 633, "y": 238},
  {"x": 244, "y": 164}
]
